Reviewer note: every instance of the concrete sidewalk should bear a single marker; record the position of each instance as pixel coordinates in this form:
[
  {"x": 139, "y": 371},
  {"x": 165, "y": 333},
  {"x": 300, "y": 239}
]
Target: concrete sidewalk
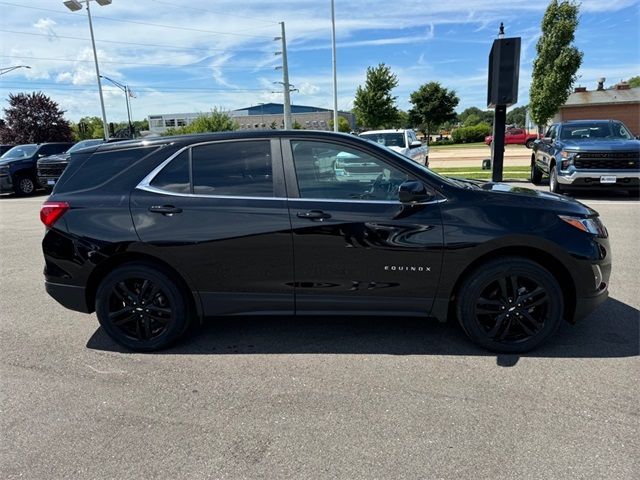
[{"x": 515, "y": 155}]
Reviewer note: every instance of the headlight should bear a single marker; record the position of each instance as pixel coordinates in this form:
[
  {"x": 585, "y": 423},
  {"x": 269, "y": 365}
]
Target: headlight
[
  {"x": 590, "y": 225},
  {"x": 566, "y": 158},
  {"x": 4, "y": 171}
]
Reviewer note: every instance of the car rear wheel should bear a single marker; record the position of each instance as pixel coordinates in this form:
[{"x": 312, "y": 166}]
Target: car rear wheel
[
  {"x": 529, "y": 143},
  {"x": 554, "y": 185},
  {"x": 536, "y": 173},
  {"x": 142, "y": 308},
  {"x": 25, "y": 185},
  {"x": 510, "y": 305}
]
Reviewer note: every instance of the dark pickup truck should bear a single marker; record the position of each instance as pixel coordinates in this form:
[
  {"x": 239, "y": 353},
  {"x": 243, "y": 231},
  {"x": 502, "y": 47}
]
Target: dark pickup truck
[
  {"x": 587, "y": 154},
  {"x": 18, "y": 166},
  {"x": 50, "y": 168}
]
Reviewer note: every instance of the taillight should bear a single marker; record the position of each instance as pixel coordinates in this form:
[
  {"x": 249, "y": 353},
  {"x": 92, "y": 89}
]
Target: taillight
[{"x": 50, "y": 212}]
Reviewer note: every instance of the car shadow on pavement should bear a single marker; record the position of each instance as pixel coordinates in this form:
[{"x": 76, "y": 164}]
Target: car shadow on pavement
[{"x": 612, "y": 331}]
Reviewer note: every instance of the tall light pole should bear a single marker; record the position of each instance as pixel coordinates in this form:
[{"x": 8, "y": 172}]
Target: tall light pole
[
  {"x": 127, "y": 94},
  {"x": 285, "y": 79},
  {"x": 74, "y": 6},
  {"x": 335, "y": 73},
  {"x": 11, "y": 69}
]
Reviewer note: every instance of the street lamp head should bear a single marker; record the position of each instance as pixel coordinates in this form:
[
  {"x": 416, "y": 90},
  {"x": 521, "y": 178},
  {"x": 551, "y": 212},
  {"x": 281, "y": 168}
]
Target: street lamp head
[
  {"x": 103, "y": 2},
  {"x": 73, "y": 5}
]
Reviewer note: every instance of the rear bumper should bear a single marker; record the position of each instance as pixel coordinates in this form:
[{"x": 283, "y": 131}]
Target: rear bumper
[
  {"x": 591, "y": 178},
  {"x": 69, "y": 296}
]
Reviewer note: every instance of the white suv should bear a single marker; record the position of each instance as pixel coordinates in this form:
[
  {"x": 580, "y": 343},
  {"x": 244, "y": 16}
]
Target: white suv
[{"x": 404, "y": 142}]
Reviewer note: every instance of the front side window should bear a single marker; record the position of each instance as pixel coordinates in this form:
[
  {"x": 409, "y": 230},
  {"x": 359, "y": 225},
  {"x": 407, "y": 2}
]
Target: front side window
[
  {"x": 233, "y": 169},
  {"x": 330, "y": 171}
]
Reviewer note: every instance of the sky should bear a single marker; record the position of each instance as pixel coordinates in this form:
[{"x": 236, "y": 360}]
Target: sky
[{"x": 191, "y": 56}]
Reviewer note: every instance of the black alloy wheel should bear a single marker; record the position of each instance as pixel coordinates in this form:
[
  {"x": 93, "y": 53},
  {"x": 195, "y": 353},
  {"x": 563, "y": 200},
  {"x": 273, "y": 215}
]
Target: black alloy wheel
[
  {"x": 510, "y": 305},
  {"x": 529, "y": 144},
  {"x": 141, "y": 308}
]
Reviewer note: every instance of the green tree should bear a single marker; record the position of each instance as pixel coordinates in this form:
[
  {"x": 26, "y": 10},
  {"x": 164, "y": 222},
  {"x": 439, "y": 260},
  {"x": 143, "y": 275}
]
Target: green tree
[
  {"x": 343, "y": 125},
  {"x": 634, "y": 81},
  {"x": 433, "y": 105},
  {"x": 374, "y": 106},
  {"x": 517, "y": 116},
  {"x": 214, "y": 121},
  {"x": 556, "y": 63},
  {"x": 88, "y": 127},
  {"x": 34, "y": 118},
  {"x": 477, "y": 116}
]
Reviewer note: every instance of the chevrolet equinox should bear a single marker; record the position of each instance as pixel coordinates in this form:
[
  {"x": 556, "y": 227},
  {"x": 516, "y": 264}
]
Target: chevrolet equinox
[{"x": 154, "y": 235}]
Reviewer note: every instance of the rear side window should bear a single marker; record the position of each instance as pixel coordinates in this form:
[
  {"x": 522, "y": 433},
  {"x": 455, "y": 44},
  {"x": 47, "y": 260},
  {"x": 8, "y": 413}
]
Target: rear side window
[
  {"x": 175, "y": 176},
  {"x": 233, "y": 169},
  {"x": 98, "y": 168}
]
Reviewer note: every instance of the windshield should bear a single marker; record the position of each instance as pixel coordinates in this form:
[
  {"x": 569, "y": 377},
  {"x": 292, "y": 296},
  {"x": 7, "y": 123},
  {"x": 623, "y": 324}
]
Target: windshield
[
  {"x": 595, "y": 131},
  {"x": 386, "y": 139},
  {"x": 21, "y": 151},
  {"x": 85, "y": 144}
]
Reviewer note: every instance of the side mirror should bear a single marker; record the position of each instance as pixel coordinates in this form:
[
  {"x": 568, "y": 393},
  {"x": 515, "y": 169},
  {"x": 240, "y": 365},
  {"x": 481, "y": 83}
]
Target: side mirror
[
  {"x": 415, "y": 144},
  {"x": 413, "y": 191}
]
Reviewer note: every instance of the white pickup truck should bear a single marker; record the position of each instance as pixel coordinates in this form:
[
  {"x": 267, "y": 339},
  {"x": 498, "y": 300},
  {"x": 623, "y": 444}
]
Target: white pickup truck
[{"x": 403, "y": 141}]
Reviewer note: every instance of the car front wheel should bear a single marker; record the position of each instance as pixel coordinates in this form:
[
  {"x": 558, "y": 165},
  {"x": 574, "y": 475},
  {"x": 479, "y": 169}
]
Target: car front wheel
[
  {"x": 510, "y": 305},
  {"x": 142, "y": 308},
  {"x": 554, "y": 185},
  {"x": 24, "y": 185},
  {"x": 529, "y": 144}
]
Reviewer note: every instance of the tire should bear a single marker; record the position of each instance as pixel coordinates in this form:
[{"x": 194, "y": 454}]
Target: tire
[
  {"x": 554, "y": 185},
  {"x": 536, "y": 174},
  {"x": 24, "y": 185},
  {"x": 142, "y": 308},
  {"x": 529, "y": 144},
  {"x": 496, "y": 318}
]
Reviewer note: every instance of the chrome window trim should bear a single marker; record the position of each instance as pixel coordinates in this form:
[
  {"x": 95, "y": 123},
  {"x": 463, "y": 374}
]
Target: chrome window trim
[{"x": 145, "y": 184}]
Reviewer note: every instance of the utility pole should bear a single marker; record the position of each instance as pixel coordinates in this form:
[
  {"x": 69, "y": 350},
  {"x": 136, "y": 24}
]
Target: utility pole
[
  {"x": 285, "y": 82},
  {"x": 333, "y": 59},
  {"x": 95, "y": 58},
  {"x": 127, "y": 94}
]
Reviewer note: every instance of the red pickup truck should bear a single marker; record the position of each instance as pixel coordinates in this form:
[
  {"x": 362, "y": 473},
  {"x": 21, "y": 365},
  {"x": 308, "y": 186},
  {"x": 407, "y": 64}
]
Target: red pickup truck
[{"x": 515, "y": 136}]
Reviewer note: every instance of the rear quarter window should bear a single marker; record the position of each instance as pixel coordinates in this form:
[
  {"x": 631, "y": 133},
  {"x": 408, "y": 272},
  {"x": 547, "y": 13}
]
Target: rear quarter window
[{"x": 87, "y": 171}]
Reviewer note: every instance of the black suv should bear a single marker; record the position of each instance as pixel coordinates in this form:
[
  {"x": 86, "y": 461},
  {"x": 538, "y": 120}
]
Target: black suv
[
  {"x": 18, "y": 166},
  {"x": 155, "y": 234},
  {"x": 587, "y": 154}
]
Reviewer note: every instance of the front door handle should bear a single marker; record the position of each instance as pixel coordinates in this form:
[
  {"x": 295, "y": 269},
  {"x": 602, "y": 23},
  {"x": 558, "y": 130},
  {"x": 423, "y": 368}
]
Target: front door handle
[
  {"x": 315, "y": 215},
  {"x": 165, "y": 209}
]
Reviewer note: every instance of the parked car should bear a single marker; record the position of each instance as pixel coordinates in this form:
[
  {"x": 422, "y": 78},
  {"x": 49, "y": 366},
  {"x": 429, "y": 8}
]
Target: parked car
[
  {"x": 5, "y": 147},
  {"x": 156, "y": 234},
  {"x": 587, "y": 154},
  {"x": 404, "y": 142},
  {"x": 50, "y": 168},
  {"x": 18, "y": 166},
  {"x": 515, "y": 136}
]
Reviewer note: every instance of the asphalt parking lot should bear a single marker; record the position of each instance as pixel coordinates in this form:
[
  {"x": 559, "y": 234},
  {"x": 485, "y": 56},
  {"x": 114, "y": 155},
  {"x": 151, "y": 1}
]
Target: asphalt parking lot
[{"x": 314, "y": 397}]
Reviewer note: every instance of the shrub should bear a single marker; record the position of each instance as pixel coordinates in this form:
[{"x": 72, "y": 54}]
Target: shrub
[
  {"x": 215, "y": 121},
  {"x": 475, "y": 133}
]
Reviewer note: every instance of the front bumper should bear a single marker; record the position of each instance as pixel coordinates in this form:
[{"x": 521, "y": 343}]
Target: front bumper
[
  {"x": 6, "y": 185},
  {"x": 591, "y": 178}
]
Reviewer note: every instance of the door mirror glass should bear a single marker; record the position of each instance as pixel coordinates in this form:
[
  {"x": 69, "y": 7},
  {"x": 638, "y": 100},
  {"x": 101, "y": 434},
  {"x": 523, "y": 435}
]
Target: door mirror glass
[
  {"x": 413, "y": 191},
  {"x": 415, "y": 144}
]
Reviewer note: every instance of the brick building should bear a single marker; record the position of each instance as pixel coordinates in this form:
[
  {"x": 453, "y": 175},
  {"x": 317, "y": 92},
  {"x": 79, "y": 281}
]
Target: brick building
[{"x": 617, "y": 103}]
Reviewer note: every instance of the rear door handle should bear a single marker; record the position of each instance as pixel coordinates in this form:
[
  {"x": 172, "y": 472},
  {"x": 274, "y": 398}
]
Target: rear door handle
[
  {"x": 165, "y": 209},
  {"x": 315, "y": 215}
]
